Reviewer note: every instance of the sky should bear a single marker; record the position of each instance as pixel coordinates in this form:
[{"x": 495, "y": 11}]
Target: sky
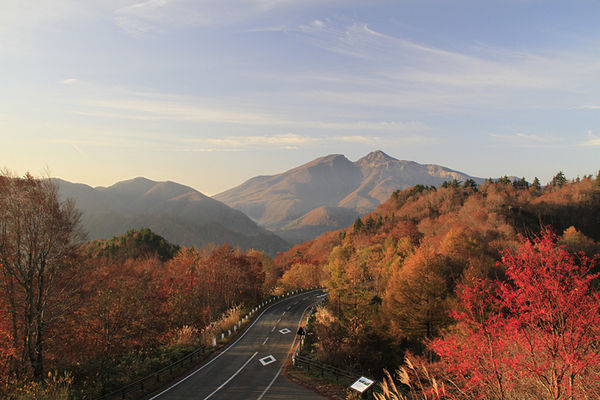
[{"x": 210, "y": 93}]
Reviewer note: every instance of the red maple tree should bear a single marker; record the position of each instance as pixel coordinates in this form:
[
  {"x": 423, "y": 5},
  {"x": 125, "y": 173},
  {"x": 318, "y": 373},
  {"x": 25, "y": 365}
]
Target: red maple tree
[{"x": 537, "y": 334}]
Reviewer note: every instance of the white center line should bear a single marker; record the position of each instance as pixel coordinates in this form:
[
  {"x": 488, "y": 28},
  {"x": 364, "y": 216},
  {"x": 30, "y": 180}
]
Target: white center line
[
  {"x": 266, "y": 340},
  {"x": 231, "y": 377},
  {"x": 179, "y": 382},
  {"x": 283, "y": 314},
  {"x": 273, "y": 330},
  {"x": 280, "y": 368}
]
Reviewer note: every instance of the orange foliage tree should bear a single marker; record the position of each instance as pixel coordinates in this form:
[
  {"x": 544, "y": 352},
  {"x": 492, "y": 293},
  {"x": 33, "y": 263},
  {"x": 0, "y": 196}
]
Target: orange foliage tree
[{"x": 39, "y": 240}]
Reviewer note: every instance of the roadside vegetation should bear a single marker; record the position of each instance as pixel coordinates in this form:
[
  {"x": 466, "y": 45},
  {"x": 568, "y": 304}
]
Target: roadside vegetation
[
  {"x": 464, "y": 291},
  {"x": 491, "y": 289},
  {"x": 79, "y": 319}
]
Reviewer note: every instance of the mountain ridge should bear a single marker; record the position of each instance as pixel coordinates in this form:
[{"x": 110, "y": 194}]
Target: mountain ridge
[
  {"x": 279, "y": 202},
  {"x": 180, "y": 213}
]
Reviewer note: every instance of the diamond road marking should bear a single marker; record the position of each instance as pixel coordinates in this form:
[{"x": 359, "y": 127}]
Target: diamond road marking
[
  {"x": 284, "y": 331},
  {"x": 267, "y": 360}
]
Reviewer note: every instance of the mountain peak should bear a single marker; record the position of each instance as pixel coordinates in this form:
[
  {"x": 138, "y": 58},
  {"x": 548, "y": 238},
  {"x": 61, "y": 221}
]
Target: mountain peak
[
  {"x": 376, "y": 156},
  {"x": 331, "y": 158},
  {"x": 131, "y": 186}
]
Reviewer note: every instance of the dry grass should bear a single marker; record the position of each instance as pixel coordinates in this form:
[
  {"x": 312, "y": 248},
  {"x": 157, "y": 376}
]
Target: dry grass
[
  {"x": 185, "y": 336},
  {"x": 417, "y": 384},
  {"x": 223, "y": 324}
]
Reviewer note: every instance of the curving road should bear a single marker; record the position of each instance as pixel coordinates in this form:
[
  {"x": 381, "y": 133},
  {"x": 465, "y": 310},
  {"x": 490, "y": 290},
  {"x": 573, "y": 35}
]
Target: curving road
[{"x": 250, "y": 367}]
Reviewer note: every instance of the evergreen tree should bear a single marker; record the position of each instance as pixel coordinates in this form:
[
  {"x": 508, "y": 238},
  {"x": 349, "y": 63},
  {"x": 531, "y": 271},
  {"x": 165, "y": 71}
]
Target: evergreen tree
[
  {"x": 470, "y": 183},
  {"x": 358, "y": 225},
  {"x": 521, "y": 183},
  {"x": 559, "y": 179},
  {"x": 536, "y": 184}
]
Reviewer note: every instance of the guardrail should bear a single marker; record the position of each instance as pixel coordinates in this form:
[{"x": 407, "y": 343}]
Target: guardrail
[
  {"x": 308, "y": 363},
  {"x": 142, "y": 385},
  {"x": 151, "y": 382}
]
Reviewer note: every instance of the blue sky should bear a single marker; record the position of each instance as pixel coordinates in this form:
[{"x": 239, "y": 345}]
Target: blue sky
[{"x": 210, "y": 93}]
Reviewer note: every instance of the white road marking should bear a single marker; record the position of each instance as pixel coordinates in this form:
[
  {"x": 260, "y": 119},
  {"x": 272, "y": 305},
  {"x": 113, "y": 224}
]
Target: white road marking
[
  {"x": 281, "y": 368},
  {"x": 283, "y": 313},
  {"x": 284, "y": 331},
  {"x": 273, "y": 330},
  {"x": 224, "y": 351},
  {"x": 231, "y": 377},
  {"x": 266, "y": 340},
  {"x": 266, "y": 360}
]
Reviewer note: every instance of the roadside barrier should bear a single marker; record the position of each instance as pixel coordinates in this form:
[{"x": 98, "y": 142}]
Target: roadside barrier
[
  {"x": 153, "y": 381},
  {"x": 300, "y": 361},
  {"x": 308, "y": 363}
]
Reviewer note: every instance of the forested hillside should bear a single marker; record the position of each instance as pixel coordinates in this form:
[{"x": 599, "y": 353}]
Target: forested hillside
[
  {"x": 96, "y": 315},
  {"x": 429, "y": 272},
  {"x": 393, "y": 275}
]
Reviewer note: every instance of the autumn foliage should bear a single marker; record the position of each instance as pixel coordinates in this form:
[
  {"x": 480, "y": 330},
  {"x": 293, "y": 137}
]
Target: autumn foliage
[
  {"x": 536, "y": 332},
  {"x": 395, "y": 276},
  {"x": 452, "y": 274},
  {"x": 108, "y": 311}
]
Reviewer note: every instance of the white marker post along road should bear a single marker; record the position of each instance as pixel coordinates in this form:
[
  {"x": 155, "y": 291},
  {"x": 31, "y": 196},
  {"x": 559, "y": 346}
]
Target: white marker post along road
[{"x": 250, "y": 366}]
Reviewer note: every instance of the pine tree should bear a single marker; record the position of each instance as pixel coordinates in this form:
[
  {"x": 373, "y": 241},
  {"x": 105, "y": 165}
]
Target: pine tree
[
  {"x": 559, "y": 179},
  {"x": 358, "y": 225}
]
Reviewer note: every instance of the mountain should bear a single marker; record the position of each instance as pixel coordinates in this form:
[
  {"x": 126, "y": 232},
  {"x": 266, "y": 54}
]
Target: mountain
[
  {"x": 179, "y": 213},
  {"x": 326, "y": 193}
]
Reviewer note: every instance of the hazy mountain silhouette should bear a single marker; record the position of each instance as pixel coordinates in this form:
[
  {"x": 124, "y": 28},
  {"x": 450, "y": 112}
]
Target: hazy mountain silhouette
[
  {"x": 335, "y": 188},
  {"x": 179, "y": 213}
]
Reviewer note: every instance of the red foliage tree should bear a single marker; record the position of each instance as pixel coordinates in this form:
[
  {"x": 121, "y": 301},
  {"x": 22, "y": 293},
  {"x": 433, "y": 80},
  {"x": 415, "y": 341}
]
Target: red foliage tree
[{"x": 537, "y": 333}]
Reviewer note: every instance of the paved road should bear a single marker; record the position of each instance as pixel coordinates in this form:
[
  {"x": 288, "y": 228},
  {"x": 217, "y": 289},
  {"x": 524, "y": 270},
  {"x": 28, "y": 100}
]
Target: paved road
[{"x": 250, "y": 368}]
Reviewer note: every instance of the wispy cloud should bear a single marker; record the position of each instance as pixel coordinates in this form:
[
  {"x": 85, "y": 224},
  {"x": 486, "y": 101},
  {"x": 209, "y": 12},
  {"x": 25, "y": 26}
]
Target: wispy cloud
[
  {"x": 149, "y": 107},
  {"x": 162, "y": 15},
  {"x": 290, "y": 141},
  {"x": 480, "y": 67},
  {"x": 593, "y": 140},
  {"x": 99, "y": 138},
  {"x": 251, "y": 142},
  {"x": 528, "y": 140},
  {"x": 69, "y": 81},
  {"x": 148, "y": 110},
  {"x": 525, "y": 140}
]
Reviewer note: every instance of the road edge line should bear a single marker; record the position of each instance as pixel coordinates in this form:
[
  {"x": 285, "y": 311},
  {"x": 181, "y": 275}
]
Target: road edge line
[
  {"x": 285, "y": 360},
  {"x": 231, "y": 377},
  {"x": 227, "y": 349}
]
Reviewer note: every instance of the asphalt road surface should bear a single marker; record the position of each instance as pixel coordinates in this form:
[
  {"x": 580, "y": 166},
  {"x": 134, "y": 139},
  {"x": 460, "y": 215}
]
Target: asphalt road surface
[{"x": 250, "y": 367}]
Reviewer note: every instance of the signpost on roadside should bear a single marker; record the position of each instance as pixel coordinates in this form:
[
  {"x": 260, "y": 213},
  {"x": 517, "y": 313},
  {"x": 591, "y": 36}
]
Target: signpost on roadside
[{"x": 362, "y": 384}]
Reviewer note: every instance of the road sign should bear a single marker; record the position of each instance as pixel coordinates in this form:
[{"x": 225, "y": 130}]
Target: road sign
[{"x": 362, "y": 384}]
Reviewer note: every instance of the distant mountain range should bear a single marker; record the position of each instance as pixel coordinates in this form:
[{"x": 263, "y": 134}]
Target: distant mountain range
[
  {"x": 179, "y": 213},
  {"x": 330, "y": 192},
  {"x": 325, "y": 194}
]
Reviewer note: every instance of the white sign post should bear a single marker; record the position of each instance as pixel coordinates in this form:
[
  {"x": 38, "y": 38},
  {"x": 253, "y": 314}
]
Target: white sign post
[{"x": 362, "y": 384}]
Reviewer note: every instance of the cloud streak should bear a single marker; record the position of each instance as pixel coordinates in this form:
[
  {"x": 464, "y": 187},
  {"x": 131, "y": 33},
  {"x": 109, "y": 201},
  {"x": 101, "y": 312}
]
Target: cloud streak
[
  {"x": 484, "y": 67},
  {"x": 291, "y": 141},
  {"x": 155, "y": 107},
  {"x": 526, "y": 140},
  {"x": 593, "y": 140}
]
